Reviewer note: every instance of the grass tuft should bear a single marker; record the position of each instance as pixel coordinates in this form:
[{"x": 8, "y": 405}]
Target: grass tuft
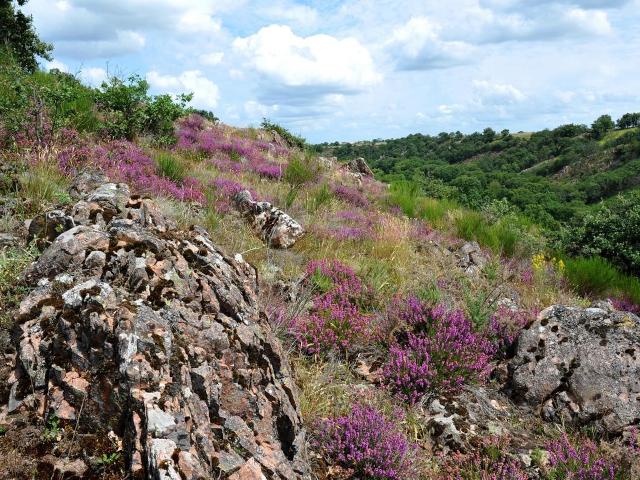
[{"x": 170, "y": 166}]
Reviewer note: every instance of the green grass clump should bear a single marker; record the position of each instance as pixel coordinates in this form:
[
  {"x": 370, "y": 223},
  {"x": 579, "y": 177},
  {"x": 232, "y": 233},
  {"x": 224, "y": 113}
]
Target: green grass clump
[
  {"x": 591, "y": 276},
  {"x": 405, "y": 195},
  {"x": 435, "y": 210},
  {"x": 300, "y": 170},
  {"x": 319, "y": 197},
  {"x": 12, "y": 262},
  {"x": 597, "y": 277},
  {"x": 44, "y": 185},
  {"x": 170, "y": 167}
]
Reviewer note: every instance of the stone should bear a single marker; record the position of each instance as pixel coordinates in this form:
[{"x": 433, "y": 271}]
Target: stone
[
  {"x": 272, "y": 225},
  {"x": 580, "y": 366},
  {"x": 249, "y": 471},
  {"x": 360, "y": 166},
  {"x": 86, "y": 182},
  {"x": 471, "y": 259},
  {"x": 8, "y": 240},
  {"x": 47, "y": 226},
  {"x": 156, "y": 336}
]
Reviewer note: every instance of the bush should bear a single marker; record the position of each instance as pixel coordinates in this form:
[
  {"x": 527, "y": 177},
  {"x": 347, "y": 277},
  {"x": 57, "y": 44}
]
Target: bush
[
  {"x": 439, "y": 354},
  {"x": 365, "y": 442},
  {"x": 613, "y": 232},
  {"x": 591, "y": 276},
  {"x": 130, "y": 111},
  {"x": 300, "y": 170}
]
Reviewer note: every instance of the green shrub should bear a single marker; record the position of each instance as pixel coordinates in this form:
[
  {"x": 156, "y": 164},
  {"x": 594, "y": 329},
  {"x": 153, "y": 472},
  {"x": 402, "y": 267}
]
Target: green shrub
[
  {"x": 592, "y": 276},
  {"x": 301, "y": 169},
  {"x": 170, "y": 167},
  {"x": 613, "y": 232},
  {"x": 129, "y": 110}
]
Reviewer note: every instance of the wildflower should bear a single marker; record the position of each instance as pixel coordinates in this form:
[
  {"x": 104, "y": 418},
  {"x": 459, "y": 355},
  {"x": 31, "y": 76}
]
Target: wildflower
[
  {"x": 578, "y": 460},
  {"x": 558, "y": 265},
  {"x": 367, "y": 443},
  {"x": 440, "y": 353},
  {"x": 538, "y": 262},
  {"x": 336, "y": 320}
]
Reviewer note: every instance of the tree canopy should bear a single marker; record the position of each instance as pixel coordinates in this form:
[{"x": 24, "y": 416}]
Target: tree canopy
[{"x": 18, "y": 36}]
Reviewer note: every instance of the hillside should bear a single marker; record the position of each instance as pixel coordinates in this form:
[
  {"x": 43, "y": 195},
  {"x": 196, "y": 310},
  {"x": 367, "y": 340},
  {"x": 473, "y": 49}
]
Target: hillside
[
  {"x": 185, "y": 299},
  {"x": 552, "y": 176}
]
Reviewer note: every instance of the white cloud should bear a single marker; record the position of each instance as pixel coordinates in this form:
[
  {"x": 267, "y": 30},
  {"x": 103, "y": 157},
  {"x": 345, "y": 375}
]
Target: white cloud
[
  {"x": 255, "y": 109},
  {"x": 93, "y": 76},
  {"x": 489, "y": 93},
  {"x": 212, "y": 59},
  {"x": 417, "y": 46},
  {"x": 590, "y": 21},
  {"x": 319, "y": 64},
  {"x": 55, "y": 65},
  {"x": 194, "y": 22},
  {"x": 301, "y": 15},
  {"x": 205, "y": 93}
]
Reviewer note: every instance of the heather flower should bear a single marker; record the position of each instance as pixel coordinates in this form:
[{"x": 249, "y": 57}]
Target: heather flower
[
  {"x": 351, "y": 195},
  {"x": 488, "y": 463},
  {"x": 125, "y": 162},
  {"x": 578, "y": 460},
  {"x": 268, "y": 170},
  {"x": 625, "y": 305},
  {"x": 439, "y": 354},
  {"x": 336, "y": 320},
  {"x": 367, "y": 443},
  {"x": 527, "y": 276}
]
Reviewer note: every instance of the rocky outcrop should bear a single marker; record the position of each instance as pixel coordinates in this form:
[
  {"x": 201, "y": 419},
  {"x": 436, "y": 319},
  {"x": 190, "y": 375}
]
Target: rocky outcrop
[
  {"x": 359, "y": 166},
  {"x": 471, "y": 259},
  {"x": 152, "y": 338},
  {"x": 581, "y": 366},
  {"x": 272, "y": 225}
]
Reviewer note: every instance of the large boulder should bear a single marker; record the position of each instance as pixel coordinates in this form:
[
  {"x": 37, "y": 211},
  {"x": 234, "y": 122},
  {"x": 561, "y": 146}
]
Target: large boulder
[
  {"x": 272, "y": 225},
  {"x": 359, "y": 166},
  {"x": 581, "y": 366},
  {"x": 152, "y": 338}
]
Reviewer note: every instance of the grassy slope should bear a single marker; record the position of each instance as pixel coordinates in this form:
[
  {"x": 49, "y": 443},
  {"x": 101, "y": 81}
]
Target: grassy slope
[{"x": 393, "y": 253}]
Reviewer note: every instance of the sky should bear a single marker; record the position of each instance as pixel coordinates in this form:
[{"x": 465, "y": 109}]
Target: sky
[{"x": 346, "y": 70}]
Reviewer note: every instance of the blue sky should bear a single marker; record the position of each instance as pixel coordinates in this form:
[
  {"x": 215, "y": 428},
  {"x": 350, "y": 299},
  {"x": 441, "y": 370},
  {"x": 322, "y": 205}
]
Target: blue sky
[{"x": 362, "y": 69}]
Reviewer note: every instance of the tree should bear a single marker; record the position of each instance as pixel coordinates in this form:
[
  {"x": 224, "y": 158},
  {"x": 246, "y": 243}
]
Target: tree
[
  {"x": 629, "y": 120},
  {"x": 601, "y": 126},
  {"x": 18, "y": 36}
]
